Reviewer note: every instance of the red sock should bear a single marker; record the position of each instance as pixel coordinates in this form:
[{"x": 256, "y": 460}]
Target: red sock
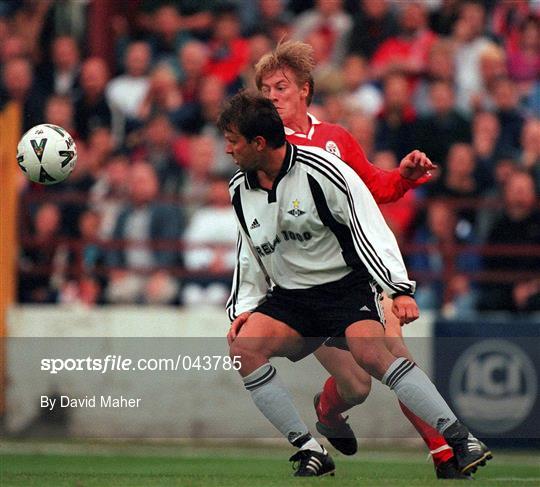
[
  {"x": 439, "y": 449},
  {"x": 331, "y": 404}
]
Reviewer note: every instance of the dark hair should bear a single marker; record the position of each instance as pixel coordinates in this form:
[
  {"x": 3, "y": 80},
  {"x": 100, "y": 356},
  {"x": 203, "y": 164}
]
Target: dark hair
[{"x": 253, "y": 115}]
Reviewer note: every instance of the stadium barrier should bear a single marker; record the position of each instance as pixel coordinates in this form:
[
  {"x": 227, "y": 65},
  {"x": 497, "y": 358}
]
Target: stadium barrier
[
  {"x": 487, "y": 370},
  {"x": 190, "y": 402}
]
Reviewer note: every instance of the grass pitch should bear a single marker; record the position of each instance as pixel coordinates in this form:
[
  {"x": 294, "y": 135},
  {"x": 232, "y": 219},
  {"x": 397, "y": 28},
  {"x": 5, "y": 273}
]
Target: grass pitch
[{"x": 95, "y": 464}]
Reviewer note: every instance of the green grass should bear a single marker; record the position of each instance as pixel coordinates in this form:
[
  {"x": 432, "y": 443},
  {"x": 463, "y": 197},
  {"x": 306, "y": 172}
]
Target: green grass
[{"x": 135, "y": 465}]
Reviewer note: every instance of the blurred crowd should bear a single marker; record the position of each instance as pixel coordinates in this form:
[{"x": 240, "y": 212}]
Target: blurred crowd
[{"x": 145, "y": 216}]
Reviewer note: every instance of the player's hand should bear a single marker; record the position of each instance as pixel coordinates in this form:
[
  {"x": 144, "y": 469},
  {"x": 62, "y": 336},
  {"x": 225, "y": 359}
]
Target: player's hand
[
  {"x": 415, "y": 165},
  {"x": 236, "y": 325},
  {"x": 405, "y": 308}
]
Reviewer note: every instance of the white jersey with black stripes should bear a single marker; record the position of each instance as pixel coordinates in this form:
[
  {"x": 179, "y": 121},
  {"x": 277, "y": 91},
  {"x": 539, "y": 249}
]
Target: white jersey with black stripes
[{"x": 317, "y": 224}]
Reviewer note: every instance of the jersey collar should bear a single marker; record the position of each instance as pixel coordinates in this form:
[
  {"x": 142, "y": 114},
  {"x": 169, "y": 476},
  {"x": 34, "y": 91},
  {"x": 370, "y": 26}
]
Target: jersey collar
[
  {"x": 252, "y": 181},
  {"x": 314, "y": 121}
]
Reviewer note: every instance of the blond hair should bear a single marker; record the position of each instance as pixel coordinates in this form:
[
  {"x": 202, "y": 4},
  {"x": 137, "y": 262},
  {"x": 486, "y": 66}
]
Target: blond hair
[{"x": 294, "y": 55}]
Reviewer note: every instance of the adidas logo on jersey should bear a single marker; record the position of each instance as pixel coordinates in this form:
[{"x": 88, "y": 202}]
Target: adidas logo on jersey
[
  {"x": 364, "y": 308},
  {"x": 254, "y": 224}
]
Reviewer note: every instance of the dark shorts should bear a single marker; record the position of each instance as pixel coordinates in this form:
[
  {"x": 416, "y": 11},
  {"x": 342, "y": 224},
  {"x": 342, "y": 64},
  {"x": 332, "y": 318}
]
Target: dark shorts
[{"x": 322, "y": 313}]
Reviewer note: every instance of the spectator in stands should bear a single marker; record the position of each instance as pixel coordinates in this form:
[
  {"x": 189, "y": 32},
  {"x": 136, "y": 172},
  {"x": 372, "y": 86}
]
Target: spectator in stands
[
  {"x": 492, "y": 195},
  {"x": 127, "y": 91},
  {"x": 259, "y": 43},
  {"x": 331, "y": 22},
  {"x": 202, "y": 153},
  {"x": 334, "y": 108},
  {"x": 506, "y": 99},
  {"x": 359, "y": 93},
  {"x": 167, "y": 34},
  {"x": 108, "y": 196},
  {"x": 408, "y": 51},
  {"x": 524, "y": 55},
  {"x": 440, "y": 67},
  {"x": 201, "y": 117},
  {"x": 41, "y": 262},
  {"x": 13, "y": 47},
  {"x": 262, "y": 16},
  {"x": 362, "y": 127},
  {"x": 458, "y": 181},
  {"x": 326, "y": 73},
  {"x": 60, "y": 75},
  {"x": 210, "y": 247},
  {"x": 395, "y": 122},
  {"x": 143, "y": 224},
  {"x": 59, "y": 110},
  {"x": 530, "y": 149},
  {"x": 229, "y": 52},
  {"x": 92, "y": 252},
  {"x": 469, "y": 40},
  {"x": 98, "y": 150},
  {"x": 454, "y": 293},
  {"x": 91, "y": 107},
  {"x": 442, "y": 19},
  {"x": 86, "y": 263},
  {"x": 492, "y": 68},
  {"x": 157, "y": 148},
  {"x": 372, "y": 25},
  {"x": 437, "y": 132},
  {"x": 77, "y": 187},
  {"x": 517, "y": 224},
  {"x": 487, "y": 146},
  {"x": 18, "y": 85},
  {"x": 193, "y": 58},
  {"x": 163, "y": 95}
]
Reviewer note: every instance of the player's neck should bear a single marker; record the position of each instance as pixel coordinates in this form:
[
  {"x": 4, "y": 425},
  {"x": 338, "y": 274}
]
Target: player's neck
[
  {"x": 301, "y": 123},
  {"x": 268, "y": 173}
]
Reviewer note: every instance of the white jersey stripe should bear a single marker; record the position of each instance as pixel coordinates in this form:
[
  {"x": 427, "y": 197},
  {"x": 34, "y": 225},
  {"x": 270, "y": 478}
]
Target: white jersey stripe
[
  {"x": 321, "y": 213},
  {"x": 376, "y": 259}
]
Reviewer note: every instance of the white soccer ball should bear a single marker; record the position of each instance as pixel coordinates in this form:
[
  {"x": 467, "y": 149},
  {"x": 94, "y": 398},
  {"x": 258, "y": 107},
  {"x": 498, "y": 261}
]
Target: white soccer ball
[{"x": 46, "y": 154}]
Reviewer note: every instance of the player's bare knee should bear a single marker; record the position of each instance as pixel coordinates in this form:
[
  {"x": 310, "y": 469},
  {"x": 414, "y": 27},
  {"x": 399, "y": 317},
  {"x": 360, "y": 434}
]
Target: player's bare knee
[
  {"x": 371, "y": 360},
  {"x": 247, "y": 354}
]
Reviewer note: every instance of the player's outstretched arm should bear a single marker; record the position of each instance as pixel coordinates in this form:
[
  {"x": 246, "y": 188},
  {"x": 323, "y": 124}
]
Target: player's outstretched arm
[
  {"x": 385, "y": 186},
  {"x": 415, "y": 165}
]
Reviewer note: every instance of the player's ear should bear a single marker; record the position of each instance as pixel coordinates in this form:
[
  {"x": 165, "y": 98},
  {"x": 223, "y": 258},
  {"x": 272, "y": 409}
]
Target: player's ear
[
  {"x": 304, "y": 90},
  {"x": 260, "y": 142}
]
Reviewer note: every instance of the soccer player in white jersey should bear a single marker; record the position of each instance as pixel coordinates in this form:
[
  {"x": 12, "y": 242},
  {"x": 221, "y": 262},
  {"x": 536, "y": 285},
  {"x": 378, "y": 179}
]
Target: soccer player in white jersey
[
  {"x": 314, "y": 253},
  {"x": 285, "y": 77}
]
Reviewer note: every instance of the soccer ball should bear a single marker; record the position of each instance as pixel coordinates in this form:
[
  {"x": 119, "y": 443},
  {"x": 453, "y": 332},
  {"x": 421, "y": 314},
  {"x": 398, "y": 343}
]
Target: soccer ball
[{"x": 47, "y": 154}]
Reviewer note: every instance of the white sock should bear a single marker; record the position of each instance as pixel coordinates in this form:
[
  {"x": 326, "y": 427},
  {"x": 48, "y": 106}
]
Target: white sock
[
  {"x": 414, "y": 389},
  {"x": 273, "y": 400}
]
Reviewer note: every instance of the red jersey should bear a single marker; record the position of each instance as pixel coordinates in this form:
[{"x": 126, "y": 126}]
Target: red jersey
[{"x": 385, "y": 186}]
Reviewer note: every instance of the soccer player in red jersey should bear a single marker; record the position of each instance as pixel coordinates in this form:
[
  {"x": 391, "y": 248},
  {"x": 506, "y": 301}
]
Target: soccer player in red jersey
[{"x": 285, "y": 77}]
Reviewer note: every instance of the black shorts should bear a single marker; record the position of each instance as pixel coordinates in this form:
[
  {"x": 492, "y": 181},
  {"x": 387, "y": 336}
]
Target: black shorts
[{"x": 322, "y": 313}]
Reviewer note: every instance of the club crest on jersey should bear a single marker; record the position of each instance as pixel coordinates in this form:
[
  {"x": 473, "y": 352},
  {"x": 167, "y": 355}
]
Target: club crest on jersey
[
  {"x": 296, "y": 211},
  {"x": 332, "y": 147}
]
